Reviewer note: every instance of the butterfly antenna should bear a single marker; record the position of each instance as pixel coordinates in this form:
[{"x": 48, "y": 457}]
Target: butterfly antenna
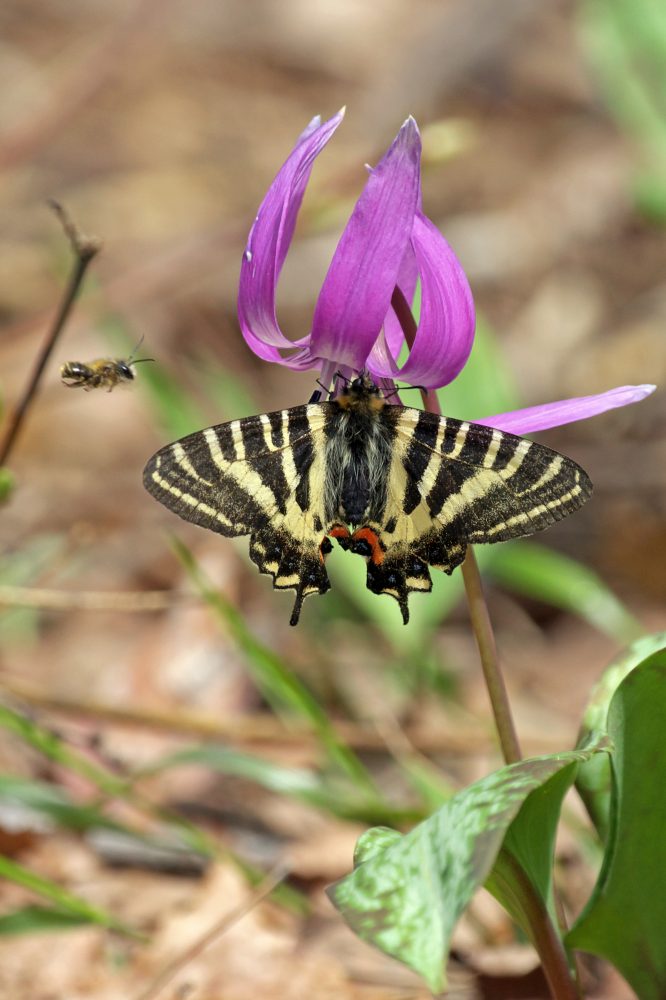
[
  {"x": 137, "y": 361},
  {"x": 406, "y": 388}
]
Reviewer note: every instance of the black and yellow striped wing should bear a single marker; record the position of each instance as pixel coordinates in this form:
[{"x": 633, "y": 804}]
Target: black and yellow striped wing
[
  {"x": 452, "y": 484},
  {"x": 257, "y": 476},
  {"x": 446, "y": 484}
]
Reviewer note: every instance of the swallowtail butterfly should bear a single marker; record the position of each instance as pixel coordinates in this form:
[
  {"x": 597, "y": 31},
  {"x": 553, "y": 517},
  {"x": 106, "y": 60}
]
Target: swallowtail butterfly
[{"x": 404, "y": 488}]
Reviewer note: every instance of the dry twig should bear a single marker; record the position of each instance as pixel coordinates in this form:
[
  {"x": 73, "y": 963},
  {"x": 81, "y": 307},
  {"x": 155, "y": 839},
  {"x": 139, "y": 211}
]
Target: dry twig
[
  {"x": 46, "y": 599},
  {"x": 251, "y": 729},
  {"x": 265, "y": 888},
  {"x": 84, "y": 248}
]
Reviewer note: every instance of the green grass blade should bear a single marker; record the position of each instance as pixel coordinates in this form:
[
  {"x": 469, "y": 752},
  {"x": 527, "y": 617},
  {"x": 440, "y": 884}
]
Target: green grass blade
[
  {"x": 175, "y": 409},
  {"x": 57, "y": 750},
  {"x": 341, "y": 798},
  {"x": 32, "y": 919},
  {"x": 293, "y": 781},
  {"x": 52, "y": 802},
  {"x": 277, "y": 682},
  {"x": 63, "y": 900},
  {"x": 485, "y": 385},
  {"x": 540, "y": 573},
  {"x": 19, "y": 568},
  {"x": 7, "y": 484},
  {"x": 625, "y": 42}
]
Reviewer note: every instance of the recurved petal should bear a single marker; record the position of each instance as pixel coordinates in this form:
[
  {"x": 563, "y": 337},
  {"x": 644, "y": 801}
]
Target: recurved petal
[
  {"x": 566, "y": 411},
  {"x": 445, "y": 332},
  {"x": 269, "y": 241},
  {"x": 357, "y": 290},
  {"x": 390, "y": 342}
]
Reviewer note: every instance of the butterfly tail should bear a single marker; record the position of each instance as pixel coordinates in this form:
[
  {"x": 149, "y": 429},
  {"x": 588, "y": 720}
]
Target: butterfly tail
[
  {"x": 291, "y": 566},
  {"x": 399, "y": 577}
]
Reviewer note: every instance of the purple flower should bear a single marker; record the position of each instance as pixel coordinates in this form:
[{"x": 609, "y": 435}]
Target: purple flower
[{"x": 388, "y": 242}]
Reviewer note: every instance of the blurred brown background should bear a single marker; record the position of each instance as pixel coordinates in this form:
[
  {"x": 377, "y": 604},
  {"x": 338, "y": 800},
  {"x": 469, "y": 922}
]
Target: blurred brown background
[{"x": 159, "y": 125}]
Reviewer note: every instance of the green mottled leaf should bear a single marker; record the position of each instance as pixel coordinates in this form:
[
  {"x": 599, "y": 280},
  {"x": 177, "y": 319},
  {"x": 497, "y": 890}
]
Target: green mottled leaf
[
  {"x": 406, "y": 898},
  {"x": 374, "y": 842},
  {"x": 594, "y": 777},
  {"x": 625, "y": 920},
  {"x": 530, "y": 841}
]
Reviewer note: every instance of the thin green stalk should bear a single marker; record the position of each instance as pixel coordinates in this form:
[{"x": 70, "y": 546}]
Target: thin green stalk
[{"x": 84, "y": 249}]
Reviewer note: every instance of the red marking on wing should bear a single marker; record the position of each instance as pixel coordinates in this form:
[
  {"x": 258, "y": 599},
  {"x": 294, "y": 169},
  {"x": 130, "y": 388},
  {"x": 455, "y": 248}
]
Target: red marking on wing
[
  {"x": 370, "y": 536},
  {"x": 339, "y": 531}
]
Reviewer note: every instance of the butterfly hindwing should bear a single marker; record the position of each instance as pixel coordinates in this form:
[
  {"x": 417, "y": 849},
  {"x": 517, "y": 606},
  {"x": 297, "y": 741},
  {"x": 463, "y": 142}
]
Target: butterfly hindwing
[
  {"x": 454, "y": 483},
  {"x": 256, "y": 476}
]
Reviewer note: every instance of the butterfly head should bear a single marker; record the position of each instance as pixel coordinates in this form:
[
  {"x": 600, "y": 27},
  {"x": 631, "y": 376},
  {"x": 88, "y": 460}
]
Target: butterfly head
[{"x": 362, "y": 394}]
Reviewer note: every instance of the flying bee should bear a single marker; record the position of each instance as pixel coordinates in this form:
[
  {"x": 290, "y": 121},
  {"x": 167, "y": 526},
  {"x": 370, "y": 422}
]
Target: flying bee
[{"x": 102, "y": 372}]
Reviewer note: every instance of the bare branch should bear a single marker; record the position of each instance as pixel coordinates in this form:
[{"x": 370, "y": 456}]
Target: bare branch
[
  {"x": 84, "y": 248},
  {"x": 91, "y": 600}
]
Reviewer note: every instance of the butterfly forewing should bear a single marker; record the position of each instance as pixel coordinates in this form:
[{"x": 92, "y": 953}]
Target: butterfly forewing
[
  {"x": 483, "y": 484},
  {"x": 254, "y": 477}
]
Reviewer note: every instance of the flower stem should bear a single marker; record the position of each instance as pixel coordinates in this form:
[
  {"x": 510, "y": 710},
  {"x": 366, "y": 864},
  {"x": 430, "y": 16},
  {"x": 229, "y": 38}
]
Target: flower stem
[
  {"x": 84, "y": 249},
  {"x": 490, "y": 664},
  {"x": 547, "y": 941},
  {"x": 545, "y": 938},
  {"x": 478, "y": 609}
]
